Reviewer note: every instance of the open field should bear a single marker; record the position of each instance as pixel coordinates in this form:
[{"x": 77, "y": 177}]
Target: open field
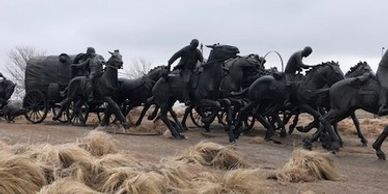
[{"x": 362, "y": 171}]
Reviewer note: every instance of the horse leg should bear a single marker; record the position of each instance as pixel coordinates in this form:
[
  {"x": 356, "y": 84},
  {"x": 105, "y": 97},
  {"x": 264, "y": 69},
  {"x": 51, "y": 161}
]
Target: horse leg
[
  {"x": 270, "y": 132},
  {"x": 187, "y": 112},
  {"x": 63, "y": 104},
  {"x": 175, "y": 117},
  {"x": 163, "y": 116},
  {"x": 294, "y": 123},
  {"x": 341, "y": 142},
  {"x": 379, "y": 141},
  {"x": 107, "y": 114},
  {"x": 227, "y": 105},
  {"x": 283, "y": 132},
  {"x": 309, "y": 141},
  {"x": 364, "y": 141},
  {"x": 117, "y": 112},
  {"x": 142, "y": 114},
  {"x": 240, "y": 118}
]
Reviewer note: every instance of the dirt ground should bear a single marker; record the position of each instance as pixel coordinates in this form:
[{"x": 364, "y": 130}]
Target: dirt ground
[{"x": 363, "y": 172}]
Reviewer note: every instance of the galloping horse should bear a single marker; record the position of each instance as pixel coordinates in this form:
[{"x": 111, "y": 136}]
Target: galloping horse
[
  {"x": 268, "y": 94},
  {"x": 351, "y": 94},
  {"x": 135, "y": 92},
  {"x": 324, "y": 105},
  {"x": 107, "y": 86},
  {"x": 204, "y": 89}
]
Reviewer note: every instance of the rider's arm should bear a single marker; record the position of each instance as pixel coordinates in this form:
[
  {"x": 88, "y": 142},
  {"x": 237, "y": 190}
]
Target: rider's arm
[
  {"x": 174, "y": 58},
  {"x": 301, "y": 64},
  {"x": 83, "y": 64}
]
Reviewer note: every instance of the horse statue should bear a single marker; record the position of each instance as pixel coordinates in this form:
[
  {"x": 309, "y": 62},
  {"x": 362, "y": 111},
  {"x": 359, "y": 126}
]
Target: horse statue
[
  {"x": 135, "y": 92},
  {"x": 359, "y": 69},
  {"x": 348, "y": 95},
  {"x": 238, "y": 72},
  {"x": 269, "y": 94},
  {"x": 204, "y": 86},
  {"x": 7, "y": 87},
  {"x": 107, "y": 85}
]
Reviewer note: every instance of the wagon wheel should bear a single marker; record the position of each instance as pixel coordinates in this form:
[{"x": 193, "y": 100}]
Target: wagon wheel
[
  {"x": 36, "y": 106},
  {"x": 78, "y": 113},
  {"x": 63, "y": 118},
  {"x": 196, "y": 118},
  {"x": 202, "y": 115}
]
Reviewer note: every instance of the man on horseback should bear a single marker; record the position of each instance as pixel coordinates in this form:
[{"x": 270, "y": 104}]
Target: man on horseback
[
  {"x": 295, "y": 63},
  {"x": 93, "y": 64},
  {"x": 189, "y": 55},
  {"x": 382, "y": 76}
]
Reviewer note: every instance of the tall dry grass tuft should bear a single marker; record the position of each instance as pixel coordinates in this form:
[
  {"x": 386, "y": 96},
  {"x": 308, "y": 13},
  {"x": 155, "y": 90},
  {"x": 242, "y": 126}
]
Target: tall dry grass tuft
[
  {"x": 99, "y": 143},
  {"x": 144, "y": 183},
  {"x": 111, "y": 161},
  {"x": 46, "y": 154},
  {"x": 67, "y": 186},
  {"x": 20, "y": 175},
  {"x": 214, "y": 155},
  {"x": 112, "y": 179},
  {"x": 307, "y": 166},
  {"x": 70, "y": 154},
  {"x": 241, "y": 181}
]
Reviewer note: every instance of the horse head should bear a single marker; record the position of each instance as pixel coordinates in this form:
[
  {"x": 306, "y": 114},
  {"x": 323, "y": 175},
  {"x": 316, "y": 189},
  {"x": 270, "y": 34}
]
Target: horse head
[
  {"x": 222, "y": 52},
  {"x": 115, "y": 61},
  {"x": 359, "y": 69},
  {"x": 9, "y": 88}
]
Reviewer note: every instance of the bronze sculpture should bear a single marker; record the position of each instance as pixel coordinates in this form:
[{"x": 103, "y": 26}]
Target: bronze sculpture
[{"x": 189, "y": 55}]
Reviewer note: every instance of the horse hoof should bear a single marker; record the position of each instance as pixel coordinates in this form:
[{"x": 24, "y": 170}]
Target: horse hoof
[
  {"x": 268, "y": 136},
  {"x": 180, "y": 136},
  {"x": 334, "y": 147},
  {"x": 126, "y": 125},
  {"x": 364, "y": 143},
  {"x": 380, "y": 155}
]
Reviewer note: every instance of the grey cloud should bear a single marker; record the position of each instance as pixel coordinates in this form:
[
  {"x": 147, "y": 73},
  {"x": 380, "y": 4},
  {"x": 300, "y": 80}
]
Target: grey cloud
[{"x": 342, "y": 30}]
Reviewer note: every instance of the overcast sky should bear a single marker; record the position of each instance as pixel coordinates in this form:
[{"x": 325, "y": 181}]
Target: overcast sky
[{"x": 342, "y": 30}]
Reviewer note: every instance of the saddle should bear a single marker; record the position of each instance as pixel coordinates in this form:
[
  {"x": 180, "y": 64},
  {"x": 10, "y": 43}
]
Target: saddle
[{"x": 194, "y": 78}]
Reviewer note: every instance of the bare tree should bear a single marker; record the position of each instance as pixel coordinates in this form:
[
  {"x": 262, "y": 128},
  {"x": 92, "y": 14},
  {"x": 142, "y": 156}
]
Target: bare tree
[
  {"x": 16, "y": 67},
  {"x": 137, "y": 68}
]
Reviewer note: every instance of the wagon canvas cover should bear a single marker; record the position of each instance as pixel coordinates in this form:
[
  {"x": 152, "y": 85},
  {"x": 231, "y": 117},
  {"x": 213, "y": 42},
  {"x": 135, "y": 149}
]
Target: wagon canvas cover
[{"x": 41, "y": 71}]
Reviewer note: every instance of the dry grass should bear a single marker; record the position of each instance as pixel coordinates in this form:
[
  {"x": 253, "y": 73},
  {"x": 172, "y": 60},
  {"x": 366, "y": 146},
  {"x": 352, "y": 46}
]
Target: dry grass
[
  {"x": 99, "y": 143},
  {"x": 307, "y": 166},
  {"x": 95, "y": 165},
  {"x": 20, "y": 175},
  {"x": 214, "y": 155},
  {"x": 67, "y": 186},
  {"x": 369, "y": 127}
]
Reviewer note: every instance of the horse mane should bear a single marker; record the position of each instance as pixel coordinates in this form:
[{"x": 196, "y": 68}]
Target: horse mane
[
  {"x": 323, "y": 64},
  {"x": 156, "y": 68},
  {"x": 357, "y": 66}
]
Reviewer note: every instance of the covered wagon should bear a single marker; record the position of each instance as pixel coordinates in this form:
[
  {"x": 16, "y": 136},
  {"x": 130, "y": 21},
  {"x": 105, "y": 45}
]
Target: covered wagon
[{"x": 45, "y": 77}]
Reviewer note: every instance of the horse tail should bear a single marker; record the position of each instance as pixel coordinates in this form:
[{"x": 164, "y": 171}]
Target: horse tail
[{"x": 239, "y": 94}]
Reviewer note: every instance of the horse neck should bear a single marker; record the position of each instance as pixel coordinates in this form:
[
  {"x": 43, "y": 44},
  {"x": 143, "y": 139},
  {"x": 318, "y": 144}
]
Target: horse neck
[
  {"x": 155, "y": 75},
  {"x": 110, "y": 76},
  {"x": 213, "y": 73},
  {"x": 315, "y": 79}
]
